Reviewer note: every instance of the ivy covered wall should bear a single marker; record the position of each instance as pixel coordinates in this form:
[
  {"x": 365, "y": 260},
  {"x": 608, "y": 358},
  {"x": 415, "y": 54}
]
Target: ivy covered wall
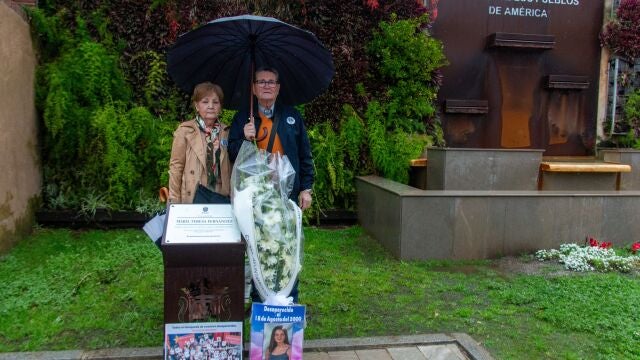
[{"x": 109, "y": 108}]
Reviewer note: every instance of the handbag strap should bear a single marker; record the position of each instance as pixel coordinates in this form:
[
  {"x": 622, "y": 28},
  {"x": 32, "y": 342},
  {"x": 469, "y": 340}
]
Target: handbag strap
[{"x": 274, "y": 129}]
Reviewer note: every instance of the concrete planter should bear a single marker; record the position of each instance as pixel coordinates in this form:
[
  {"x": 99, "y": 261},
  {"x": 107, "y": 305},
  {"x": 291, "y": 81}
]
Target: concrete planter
[
  {"x": 629, "y": 181},
  {"x": 414, "y": 224},
  {"x": 482, "y": 169}
]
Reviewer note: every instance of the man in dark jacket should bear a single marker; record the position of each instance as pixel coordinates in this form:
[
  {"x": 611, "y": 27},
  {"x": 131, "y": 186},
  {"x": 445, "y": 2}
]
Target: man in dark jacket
[{"x": 291, "y": 137}]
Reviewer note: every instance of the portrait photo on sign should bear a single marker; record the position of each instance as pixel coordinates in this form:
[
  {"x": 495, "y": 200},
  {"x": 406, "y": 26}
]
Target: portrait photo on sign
[
  {"x": 277, "y": 342},
  {"x": 277, "y": 332}
]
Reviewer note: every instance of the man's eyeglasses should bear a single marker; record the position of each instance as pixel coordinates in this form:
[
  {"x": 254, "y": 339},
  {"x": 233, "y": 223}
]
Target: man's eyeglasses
[{"x": 265, "y": 83}]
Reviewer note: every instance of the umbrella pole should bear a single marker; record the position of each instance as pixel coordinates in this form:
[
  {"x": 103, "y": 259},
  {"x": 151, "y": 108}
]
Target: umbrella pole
[
  {"x": 251, "y": 120},
  {"x": 251, "y": 92}
]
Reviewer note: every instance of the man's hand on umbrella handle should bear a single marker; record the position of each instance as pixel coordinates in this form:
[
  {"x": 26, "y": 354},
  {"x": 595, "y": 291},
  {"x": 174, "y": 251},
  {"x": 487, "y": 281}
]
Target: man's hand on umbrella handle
[{"x": 250, "y": 130}]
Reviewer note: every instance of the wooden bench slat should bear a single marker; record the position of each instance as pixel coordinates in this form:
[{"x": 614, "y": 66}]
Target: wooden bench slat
[
  {"x": 419, "y": 162},
  {"x": 584, "y": 167}
]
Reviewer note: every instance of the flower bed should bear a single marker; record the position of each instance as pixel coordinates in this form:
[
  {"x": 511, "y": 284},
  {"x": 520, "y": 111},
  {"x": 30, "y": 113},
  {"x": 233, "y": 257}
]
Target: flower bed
[{"x": 597, "y": 256}]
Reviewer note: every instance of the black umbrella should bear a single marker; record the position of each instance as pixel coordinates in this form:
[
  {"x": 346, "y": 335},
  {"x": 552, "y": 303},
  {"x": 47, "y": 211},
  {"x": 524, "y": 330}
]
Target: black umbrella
[{"x": 227, "y": 50}]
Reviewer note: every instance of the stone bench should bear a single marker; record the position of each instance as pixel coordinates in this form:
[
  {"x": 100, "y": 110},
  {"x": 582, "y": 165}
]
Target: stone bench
[{"x": 588, "y": 172}]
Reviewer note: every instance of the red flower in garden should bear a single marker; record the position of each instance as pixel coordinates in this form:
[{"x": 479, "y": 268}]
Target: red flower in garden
[
  {"x": 593, "y": 242},
  {"x": 635, "y": 247},
  {"x": 606, "y": 244}
]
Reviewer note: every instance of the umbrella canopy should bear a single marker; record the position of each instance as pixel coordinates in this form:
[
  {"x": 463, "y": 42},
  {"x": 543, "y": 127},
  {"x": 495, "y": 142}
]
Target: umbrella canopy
[{"x": 227, "y": 50}]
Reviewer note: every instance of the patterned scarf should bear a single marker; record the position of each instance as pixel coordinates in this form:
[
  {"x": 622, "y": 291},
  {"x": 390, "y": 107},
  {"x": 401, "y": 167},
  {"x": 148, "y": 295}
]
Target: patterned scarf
[{"x": 213, "y": 151}]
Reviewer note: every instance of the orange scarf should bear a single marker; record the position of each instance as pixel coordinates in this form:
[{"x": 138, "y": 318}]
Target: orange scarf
[{"x": 267, "y": 125}]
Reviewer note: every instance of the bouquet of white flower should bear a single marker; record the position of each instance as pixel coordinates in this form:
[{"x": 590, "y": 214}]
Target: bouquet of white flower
[{"x": 269, "y": 221}]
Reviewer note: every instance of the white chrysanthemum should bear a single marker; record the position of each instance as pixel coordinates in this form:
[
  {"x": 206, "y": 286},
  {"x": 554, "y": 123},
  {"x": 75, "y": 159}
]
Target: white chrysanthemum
[
  {"x": 271, "y": 260},
  {"x": 267, "y": 244},
  {"x": 269, "y": 219},
  {"x": 274, "y": 247},
  {"x": 269, "y": 274},
  {"x": 287, "y": 265}
]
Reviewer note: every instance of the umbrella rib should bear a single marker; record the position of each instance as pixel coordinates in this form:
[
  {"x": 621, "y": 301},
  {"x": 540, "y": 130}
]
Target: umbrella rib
[
  {"x": 286, "y": 49},
  {"x": 196, "y": 68}
]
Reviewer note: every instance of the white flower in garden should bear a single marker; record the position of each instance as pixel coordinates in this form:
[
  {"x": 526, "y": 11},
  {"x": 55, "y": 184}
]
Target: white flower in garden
[{"x": 589, "y": 258}]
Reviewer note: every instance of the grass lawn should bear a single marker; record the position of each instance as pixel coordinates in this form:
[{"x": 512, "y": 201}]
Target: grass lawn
[{"x": 62, "y": 289}]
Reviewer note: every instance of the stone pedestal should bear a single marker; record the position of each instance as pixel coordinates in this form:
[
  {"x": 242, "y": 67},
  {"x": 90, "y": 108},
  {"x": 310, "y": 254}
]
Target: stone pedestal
[{"x": 482, "y": 169}]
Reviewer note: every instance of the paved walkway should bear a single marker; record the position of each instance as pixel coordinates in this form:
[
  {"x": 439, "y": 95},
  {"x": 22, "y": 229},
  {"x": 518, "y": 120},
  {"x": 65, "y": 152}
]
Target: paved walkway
[{"x": 457, "y": 346}]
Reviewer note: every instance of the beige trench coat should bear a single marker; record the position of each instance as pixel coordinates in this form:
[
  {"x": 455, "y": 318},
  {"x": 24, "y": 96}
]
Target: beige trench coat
[{"x": 187, "y": 166}]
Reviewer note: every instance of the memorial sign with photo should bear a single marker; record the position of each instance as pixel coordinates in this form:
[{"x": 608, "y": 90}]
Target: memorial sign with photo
[
  {"x": 277, "y": 332},
  {"x": 220, "y": 340}
]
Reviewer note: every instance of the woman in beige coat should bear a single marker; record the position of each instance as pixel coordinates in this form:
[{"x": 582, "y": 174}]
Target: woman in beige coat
[{"x": 199, "y": 150}]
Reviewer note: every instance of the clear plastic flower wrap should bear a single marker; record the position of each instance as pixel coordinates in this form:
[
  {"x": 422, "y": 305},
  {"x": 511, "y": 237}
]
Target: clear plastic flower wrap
[{"x": 269, "y": 221}]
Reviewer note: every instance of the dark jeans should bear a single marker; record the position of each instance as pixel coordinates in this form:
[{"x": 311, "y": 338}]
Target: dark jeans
[{"x": 255, "y": 297}]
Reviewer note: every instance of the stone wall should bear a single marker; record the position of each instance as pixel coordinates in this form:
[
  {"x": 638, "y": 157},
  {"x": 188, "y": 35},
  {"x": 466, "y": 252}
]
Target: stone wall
[
  {"x": 414, "y": 224},
  {"x": 20, "y": 178}
]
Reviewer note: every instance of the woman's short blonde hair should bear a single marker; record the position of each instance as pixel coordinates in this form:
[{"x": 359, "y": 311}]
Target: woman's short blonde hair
[{"x": 203, "y": 89}]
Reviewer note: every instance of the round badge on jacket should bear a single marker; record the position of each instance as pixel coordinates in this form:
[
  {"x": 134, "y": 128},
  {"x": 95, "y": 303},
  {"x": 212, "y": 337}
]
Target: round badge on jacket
[{"x": 291, "y": 120}]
